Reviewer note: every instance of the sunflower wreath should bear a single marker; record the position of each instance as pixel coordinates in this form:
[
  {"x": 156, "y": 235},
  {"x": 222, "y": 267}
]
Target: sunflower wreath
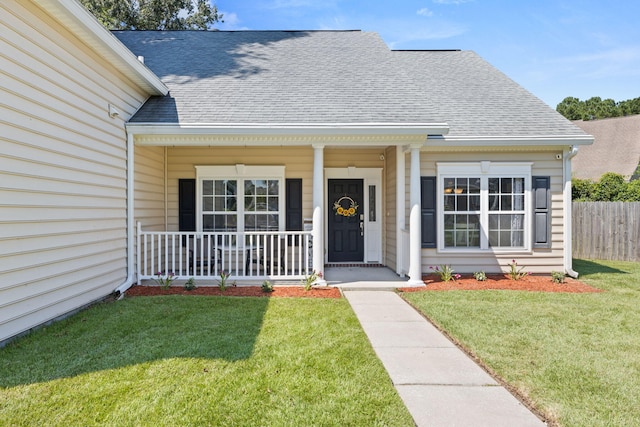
[{"x": 349, "y": 211}]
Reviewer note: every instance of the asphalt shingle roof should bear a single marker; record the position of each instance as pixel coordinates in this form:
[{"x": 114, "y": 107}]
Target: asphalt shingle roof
[{"x": 300, "y": 77}]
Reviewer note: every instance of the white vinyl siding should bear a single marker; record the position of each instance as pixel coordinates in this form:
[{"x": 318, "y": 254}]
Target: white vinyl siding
[
  {"x": 544, "y": 163},
  {"x": 62, "y": 170}
]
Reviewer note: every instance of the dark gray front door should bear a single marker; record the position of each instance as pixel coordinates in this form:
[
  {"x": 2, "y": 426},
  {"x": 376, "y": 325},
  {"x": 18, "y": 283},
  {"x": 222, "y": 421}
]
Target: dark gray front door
[{"x": 345, "y": 226}]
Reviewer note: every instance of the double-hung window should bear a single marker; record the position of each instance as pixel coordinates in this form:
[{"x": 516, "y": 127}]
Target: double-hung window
[
  {"x": 240, "y": 198},
  {"x": 484, "y": 206}
]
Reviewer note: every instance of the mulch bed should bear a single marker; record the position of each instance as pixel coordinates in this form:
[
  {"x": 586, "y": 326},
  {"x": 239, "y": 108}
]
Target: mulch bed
[
  {"x": 534, "y": 283},
  {"x": 237, "y": 291}
]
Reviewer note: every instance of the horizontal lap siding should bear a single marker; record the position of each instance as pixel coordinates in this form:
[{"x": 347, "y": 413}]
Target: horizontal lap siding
[
  {"x": 540, "y": 260},
  {"x": 298, "y": 162},
  {"x": 62, "y": 171},
  {"x": 391, "y": 239}
]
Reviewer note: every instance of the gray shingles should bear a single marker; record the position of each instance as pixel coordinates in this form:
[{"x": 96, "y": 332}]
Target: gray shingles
[{"x": 332, "y": 77}]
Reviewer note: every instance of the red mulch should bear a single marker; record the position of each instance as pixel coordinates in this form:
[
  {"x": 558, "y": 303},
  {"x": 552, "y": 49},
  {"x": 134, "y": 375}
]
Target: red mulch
[
  {"x": 533, "y": 283},
  {"x": 234, "y": 291}
]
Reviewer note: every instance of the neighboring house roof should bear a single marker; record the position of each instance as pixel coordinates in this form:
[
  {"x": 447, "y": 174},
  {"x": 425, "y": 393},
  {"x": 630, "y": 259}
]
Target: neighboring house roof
[
  {"x": 616, "y": 148},
  {"x": 267, "y": 77}
]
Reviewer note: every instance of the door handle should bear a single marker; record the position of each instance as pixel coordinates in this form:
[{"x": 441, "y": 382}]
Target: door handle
[{"x": 362, "y": 228}]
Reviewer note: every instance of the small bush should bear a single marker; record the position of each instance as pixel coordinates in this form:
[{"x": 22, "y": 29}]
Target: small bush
[
  {"x": 516, "y": 273},
  {"x": 480, "y": 276},
  {"x": 309, "y": 280},
  {"x": 190, "y": 284},
  {"x": 267, "y": 286},
  {"x": 557, "y": 277},
  {"x": 445, "y": 272}
]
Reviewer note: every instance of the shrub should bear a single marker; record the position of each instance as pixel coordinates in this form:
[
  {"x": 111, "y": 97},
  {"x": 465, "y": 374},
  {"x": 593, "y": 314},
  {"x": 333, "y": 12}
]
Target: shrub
[
  {"x": 516, "y": 273},
  {"x": 164, "y": 280},
  {"x": 480, "y": 276},
  {"x": 445, "y": 272},
  {"x": 267, "y": 286},
  {"x": 309, "y": 280},
  {"x": 557, "y": 277},
  {"x": 224, "y": 278},
  {"x": 190, "y": 284}
]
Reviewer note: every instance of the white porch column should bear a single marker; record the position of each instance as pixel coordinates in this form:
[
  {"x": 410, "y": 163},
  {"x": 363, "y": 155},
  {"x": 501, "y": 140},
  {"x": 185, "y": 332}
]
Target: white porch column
[
  {"x": 400, "y": 209},
  {"x": 318, "y": 211},
  {"x": 415, "y": 249}
]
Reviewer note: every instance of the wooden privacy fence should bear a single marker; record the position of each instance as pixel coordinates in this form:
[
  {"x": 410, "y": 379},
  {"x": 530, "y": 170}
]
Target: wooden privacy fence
[{"x": 606, "y": 230}]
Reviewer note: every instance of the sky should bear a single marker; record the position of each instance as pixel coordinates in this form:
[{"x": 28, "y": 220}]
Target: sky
[{"x": 553, "y": 48}]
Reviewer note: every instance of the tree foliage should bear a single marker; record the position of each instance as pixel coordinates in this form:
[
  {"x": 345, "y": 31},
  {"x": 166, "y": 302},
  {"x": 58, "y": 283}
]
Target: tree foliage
[
  {"x": 597, "y": 108},
  {"x": 154, "y": 14},
  {"x": 610, "y": 188}
]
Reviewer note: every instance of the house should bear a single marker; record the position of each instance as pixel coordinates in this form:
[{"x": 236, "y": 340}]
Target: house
[
  {"x": 260, "y": 154},
  {"x": 616, "y": 148}
]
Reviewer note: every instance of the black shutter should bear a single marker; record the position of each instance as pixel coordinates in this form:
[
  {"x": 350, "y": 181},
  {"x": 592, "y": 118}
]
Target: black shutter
[
  {"x": 541, "y": 211},
  {"x": 293, "y": 203},
  {"x": 428, "y": 211},
  {"x": 187, "y": 204}
]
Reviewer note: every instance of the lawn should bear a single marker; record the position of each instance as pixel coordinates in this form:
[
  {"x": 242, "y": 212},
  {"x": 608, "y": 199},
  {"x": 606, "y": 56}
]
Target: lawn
[
  {"x": 576, "y": 356},
  {"x": 198, "y": 361}
]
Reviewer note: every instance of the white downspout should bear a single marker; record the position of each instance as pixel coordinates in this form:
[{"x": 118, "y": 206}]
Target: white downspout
[
  {"x": 568, "y": 245},
  {"x": 120, "y": 290}
]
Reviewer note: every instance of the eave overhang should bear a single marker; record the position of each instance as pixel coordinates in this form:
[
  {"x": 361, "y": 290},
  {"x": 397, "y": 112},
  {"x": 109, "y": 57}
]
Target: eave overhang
[
  {"x": 508, "y": 141},
  {"x": 283, "y": 134},
  {"x": 80, "y": 22}
]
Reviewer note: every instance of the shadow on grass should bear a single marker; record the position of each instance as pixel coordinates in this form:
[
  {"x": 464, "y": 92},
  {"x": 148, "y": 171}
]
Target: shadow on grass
[
  {"x": 135, "y": 331},
  {"x": 587, "y": 267}
]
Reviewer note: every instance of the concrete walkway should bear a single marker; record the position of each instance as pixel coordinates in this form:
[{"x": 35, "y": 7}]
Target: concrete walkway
[{"x": 439, "y": 383}]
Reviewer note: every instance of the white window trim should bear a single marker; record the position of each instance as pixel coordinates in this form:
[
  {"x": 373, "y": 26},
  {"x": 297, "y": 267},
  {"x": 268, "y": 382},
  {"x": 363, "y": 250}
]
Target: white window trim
[
  {"x": 240, "y": 172},
  {"x": 485, "y": 170}
]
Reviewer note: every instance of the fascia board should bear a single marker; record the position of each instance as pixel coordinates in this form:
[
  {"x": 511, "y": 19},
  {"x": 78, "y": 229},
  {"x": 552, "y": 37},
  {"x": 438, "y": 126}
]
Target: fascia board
[
  {"x": 73, "y": 16},
  {"x": 289, "y": 129},
  {"x": 505, "y": 141}
]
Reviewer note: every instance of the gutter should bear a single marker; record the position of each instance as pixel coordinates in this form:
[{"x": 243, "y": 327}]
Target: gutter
[
  {"x": 568, "y": 245},
  {"x": 120, "y": 290}
]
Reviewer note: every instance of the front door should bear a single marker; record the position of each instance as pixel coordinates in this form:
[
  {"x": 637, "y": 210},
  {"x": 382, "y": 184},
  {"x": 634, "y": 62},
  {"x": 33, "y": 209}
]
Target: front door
[{"x": 345, "y": 220}]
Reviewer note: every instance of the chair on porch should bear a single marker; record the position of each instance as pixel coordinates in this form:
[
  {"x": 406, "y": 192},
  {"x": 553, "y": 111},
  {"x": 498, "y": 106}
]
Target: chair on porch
[
  {"x": 269, "y": 254},
  {"x": 203, "y": 257}
]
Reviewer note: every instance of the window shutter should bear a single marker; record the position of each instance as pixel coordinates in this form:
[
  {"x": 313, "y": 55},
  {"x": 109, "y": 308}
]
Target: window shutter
[
  {"x": 187, "y": 204},
  {"x": 428, "y": 211},
  {"x": 293, "y": 203},
  {"x": 541, "y": 211}
]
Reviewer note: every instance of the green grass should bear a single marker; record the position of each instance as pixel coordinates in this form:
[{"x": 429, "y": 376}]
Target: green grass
[
  {"x": 198, "y": 361},
  {"x": 576, "y": 356}
]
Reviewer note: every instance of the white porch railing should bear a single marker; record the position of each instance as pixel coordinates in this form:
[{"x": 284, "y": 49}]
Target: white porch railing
[{"x": 242, "y": 255}]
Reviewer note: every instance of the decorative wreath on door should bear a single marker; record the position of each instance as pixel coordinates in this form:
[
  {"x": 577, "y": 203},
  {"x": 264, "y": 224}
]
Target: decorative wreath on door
[{"x": 341, "y": 208}]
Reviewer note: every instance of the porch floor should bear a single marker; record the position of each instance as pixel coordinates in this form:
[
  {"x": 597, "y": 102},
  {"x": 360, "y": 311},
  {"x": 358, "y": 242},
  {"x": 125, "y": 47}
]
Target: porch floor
[{"x": 363, "y": 278}]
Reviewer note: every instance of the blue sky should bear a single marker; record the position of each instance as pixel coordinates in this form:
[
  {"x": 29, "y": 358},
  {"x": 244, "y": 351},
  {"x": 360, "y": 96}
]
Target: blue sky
[{"x": 553, "y": 48}]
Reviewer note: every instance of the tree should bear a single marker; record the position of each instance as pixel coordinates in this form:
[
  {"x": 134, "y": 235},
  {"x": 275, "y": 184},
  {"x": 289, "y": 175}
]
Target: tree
[
  {"x": 597, "y": 108},
  {"x": 154, "y": 14}
]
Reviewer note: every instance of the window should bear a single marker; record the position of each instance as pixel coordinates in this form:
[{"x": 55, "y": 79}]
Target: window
[
  {"x": 484, "y": 205},
  {"x": 240, "y": 198}
]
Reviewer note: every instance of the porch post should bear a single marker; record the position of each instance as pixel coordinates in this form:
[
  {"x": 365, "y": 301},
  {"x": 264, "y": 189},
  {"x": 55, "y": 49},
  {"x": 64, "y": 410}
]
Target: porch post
[
  {"x": 415, "y": 249},
  {"x": 318, "y": 210},
  {"x": 400, "y": 209}
]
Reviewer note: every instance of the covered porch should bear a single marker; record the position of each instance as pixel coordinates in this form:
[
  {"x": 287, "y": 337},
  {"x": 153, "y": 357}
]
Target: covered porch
[{"x": 252, "y": 239}]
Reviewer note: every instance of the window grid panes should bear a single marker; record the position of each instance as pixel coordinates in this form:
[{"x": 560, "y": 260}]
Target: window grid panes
[
  {"x": 506, "y": 212},
  {"x": 219, "y": 205},
  {"x": 261, "y": 203},
  {"x": 226, "y": 201},
  {"x": 462, "y": 212}
]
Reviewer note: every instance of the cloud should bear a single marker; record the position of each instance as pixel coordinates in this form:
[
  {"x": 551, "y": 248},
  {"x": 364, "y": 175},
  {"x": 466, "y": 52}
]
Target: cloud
[{"x": 424, "y": 12}]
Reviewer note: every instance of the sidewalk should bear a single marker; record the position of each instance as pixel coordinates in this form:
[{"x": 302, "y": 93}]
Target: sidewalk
[{"x": 439, "y": 384}]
